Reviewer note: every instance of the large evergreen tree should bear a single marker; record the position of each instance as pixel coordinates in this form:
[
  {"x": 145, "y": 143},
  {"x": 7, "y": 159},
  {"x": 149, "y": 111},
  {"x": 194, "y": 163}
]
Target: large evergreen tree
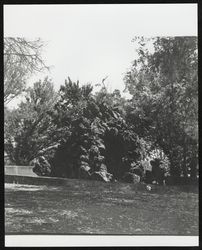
[{"x": 28, "y": 129}]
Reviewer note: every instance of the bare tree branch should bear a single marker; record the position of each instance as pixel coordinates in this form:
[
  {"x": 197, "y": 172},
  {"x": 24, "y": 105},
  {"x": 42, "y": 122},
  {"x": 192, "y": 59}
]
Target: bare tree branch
[{"x": 22, "y": 58}]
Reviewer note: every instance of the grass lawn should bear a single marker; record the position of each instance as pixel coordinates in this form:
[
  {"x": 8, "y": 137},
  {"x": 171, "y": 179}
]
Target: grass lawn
[{"x": 91, "y": 207}]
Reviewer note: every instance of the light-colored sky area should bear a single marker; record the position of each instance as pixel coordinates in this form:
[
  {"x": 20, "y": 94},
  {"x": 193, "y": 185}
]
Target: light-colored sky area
[{"x": 89, "y": 42}]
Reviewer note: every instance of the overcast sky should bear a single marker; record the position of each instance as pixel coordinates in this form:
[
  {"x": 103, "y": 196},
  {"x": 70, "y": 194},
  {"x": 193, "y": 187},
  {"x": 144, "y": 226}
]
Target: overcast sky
[{"x": 89, "y": 42}]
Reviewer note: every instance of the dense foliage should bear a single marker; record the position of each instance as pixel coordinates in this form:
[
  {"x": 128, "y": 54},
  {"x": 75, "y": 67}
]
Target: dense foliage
[
  {"x": 79, "y": 131},
  {"x": 164, "y": 86},
  {"x": 95, "y": 133}
]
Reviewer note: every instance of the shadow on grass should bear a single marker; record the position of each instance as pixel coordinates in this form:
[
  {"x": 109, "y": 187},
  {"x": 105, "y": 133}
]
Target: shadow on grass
[{"x": 92, "y": 207}]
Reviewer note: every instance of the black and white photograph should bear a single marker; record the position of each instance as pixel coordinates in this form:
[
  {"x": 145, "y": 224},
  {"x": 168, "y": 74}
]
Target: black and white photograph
[{"x": 100, "y": 123}]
